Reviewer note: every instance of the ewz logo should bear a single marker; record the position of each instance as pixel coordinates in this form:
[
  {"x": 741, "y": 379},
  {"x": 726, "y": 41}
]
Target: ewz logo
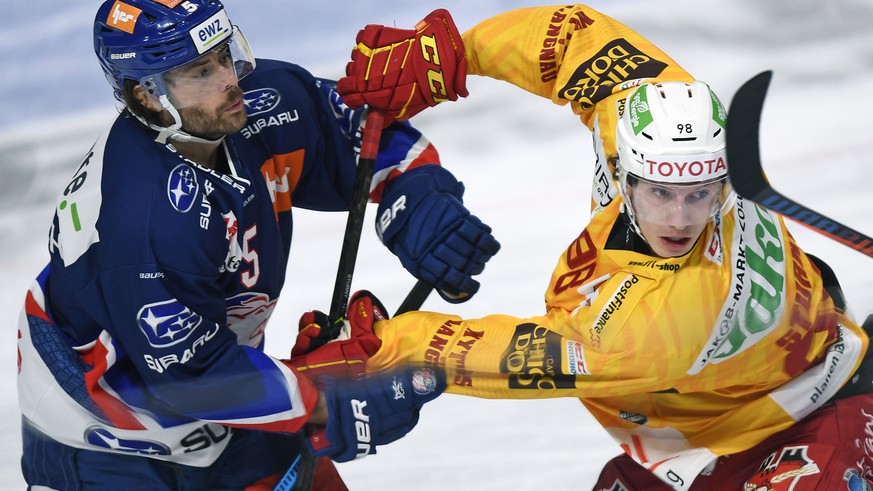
[{"x": 211, "y": 30}]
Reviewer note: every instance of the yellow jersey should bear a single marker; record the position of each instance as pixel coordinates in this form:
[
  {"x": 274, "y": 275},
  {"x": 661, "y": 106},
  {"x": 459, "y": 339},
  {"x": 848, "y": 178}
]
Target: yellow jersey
[
  {"x": 572, "y": 54},
  {"x": 680, "y": 359}
]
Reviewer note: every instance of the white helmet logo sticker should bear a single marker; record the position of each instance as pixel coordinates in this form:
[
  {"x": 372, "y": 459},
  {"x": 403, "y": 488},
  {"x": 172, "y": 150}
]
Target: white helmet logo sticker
[
  {"x": 123, "y": 16},
  {"x": 212, "y": 31}
]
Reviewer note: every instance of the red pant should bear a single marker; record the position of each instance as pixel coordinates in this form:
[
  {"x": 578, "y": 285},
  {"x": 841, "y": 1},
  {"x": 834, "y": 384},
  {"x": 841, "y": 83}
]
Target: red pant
[{"x": 832, "y": 449}]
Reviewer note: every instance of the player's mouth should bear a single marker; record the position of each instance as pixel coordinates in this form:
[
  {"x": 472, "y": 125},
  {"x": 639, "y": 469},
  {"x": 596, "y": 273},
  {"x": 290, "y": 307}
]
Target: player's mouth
[
  {"x": 235, "y": 106},
  {"x": 675, "y": 244},
  {"x": 235, "y": 100}
]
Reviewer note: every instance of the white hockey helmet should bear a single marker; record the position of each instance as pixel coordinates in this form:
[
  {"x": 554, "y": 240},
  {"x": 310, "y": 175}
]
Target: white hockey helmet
[{"x": 672, "y": 134}]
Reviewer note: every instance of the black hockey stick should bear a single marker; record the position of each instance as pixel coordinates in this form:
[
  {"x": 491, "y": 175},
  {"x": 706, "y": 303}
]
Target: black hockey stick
[
  {"x": 355, "y": 223},
  {"x": 415, "y": 298},
  {"x": 748, "y": 178},
  {"x": 302, "y": 472},
  {"x": 418, "y": 294}
]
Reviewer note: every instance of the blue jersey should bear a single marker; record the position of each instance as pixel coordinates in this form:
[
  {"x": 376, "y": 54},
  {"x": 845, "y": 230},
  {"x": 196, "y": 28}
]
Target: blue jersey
[{"x": 163, "y": 273}]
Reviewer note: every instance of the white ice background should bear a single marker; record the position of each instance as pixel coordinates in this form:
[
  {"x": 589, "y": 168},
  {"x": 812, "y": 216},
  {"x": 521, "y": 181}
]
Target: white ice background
[{"x": 527, "y": 166}]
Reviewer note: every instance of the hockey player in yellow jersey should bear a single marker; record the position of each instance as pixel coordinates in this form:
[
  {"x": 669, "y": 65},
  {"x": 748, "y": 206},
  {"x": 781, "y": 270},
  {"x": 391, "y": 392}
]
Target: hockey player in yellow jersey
[{"x": 688, "y": 321}]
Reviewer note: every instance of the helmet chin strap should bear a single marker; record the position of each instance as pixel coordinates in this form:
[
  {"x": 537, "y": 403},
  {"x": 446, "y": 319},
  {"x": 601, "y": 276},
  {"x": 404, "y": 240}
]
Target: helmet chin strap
[
  {"x": 627, "y": 208},
  {"x": 174, "y": 131}
]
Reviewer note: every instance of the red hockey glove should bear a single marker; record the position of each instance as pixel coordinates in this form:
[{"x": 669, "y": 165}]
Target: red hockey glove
[
  {"x": 402, "y": 72},
  {"x": 347, "y": 355}
]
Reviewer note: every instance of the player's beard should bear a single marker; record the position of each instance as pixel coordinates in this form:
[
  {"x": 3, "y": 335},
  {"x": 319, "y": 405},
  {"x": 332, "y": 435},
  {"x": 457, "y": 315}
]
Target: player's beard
[{"x": 214, "y": 124}]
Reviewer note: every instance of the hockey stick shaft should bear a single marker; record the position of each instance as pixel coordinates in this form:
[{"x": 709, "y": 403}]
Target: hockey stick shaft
[
  {"x": 355, "y": 223},
  {"x": 749, "y": 180},
  {"x": 302, "y": 472},
  {"x": 415, "y": 298}
]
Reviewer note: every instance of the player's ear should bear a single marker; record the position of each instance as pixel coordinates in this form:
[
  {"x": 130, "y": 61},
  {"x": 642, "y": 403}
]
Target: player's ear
[
  {"x": 145, "y": 105},
  {"x": 147, "y": 100}
]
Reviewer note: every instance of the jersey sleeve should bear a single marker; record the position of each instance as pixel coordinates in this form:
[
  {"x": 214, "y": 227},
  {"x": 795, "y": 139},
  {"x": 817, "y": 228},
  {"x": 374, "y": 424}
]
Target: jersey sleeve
[
  {"x": 576, "y": 56},
  {"x": 402, "y": 147},
  {"x": 506, "y": 357},
  {"x": 186, "y": 360},
  {"x": 314, "y": 160}
]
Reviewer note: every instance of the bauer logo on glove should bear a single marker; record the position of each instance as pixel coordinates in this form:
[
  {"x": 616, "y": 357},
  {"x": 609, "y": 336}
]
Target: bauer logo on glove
[{"x": 373, "y": 411}]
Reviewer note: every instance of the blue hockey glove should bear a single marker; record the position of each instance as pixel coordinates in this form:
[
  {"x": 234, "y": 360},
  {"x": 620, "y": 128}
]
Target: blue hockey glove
[
  {"x": 423, "y": 221},
  {"x": 375, "y": 410}
]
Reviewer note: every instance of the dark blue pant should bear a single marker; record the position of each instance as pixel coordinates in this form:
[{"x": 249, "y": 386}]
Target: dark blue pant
[{"x": 249, "y": 457}]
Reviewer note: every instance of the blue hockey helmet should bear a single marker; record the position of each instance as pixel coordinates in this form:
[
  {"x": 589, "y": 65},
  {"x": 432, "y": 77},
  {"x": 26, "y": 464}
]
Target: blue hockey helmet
[{"x": 141, "y": 40}]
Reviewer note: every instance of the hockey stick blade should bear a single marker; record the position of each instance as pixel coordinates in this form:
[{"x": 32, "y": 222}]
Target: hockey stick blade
[{"x": 748, "y": 179}]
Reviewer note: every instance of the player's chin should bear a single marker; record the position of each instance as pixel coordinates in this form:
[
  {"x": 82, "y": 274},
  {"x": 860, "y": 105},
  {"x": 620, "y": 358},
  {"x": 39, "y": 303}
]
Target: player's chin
[{"x": 236, "y": 121}]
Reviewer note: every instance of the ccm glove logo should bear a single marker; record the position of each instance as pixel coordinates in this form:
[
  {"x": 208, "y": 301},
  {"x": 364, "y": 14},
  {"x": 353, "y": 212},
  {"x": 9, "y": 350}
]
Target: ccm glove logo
[
  {"x": 362, "y": 427},
  {"x": 436, "y": 82}
]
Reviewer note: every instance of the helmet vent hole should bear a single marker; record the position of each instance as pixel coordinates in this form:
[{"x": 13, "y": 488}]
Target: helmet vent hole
[
  {"x": 716, "y": 132},
  {"x": 685, "y": 139},
  {"x": 647, "y": 136}
]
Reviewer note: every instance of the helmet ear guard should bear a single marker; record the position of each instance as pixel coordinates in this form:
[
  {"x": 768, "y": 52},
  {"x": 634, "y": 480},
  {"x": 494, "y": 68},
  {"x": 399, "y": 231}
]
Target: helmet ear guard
[{"x": 671, "y": 133}]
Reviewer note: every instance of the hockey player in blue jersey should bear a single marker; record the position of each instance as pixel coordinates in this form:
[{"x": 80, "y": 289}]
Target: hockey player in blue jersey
[{"x": 141, "y": 362}]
